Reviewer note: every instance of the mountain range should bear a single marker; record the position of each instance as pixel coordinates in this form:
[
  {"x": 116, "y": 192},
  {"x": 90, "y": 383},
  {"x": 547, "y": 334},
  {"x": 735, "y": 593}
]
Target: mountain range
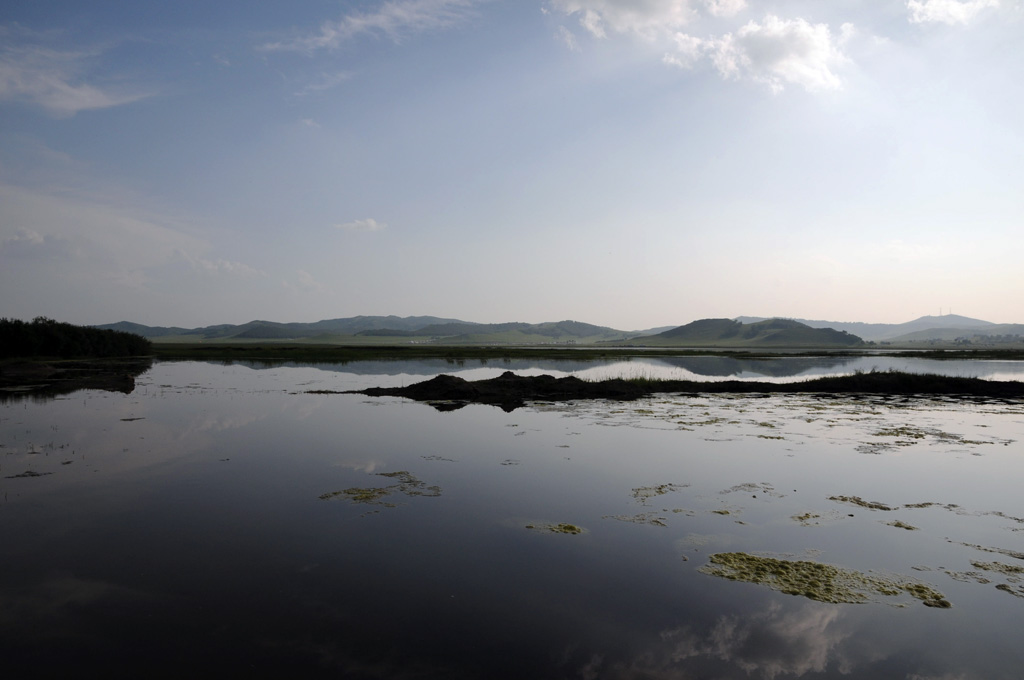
[{"x": 739, "y": 332}]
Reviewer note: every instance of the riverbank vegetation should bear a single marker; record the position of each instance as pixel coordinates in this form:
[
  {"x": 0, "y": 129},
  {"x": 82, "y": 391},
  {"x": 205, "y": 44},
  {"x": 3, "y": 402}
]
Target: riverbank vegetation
[{"x": 46, "y": 338}]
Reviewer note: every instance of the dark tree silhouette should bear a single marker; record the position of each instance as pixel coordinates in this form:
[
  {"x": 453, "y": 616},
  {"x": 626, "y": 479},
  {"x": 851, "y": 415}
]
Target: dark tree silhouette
[{"x": 43, "y": 337}]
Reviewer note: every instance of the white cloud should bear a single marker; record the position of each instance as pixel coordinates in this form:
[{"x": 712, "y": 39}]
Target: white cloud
[
  {"x": 304, "y": 282},
  {"x": 394, "y": 19},
  {"x": 566, "y": 36},
  {"x": 725, "y": 8},
  {"x": 368, "y": 224},
  {"x": 647, "y": 18},
  {"x": 775, "y": 52},
  {"x": 949, "y": 12},
  {"x": 56, "y": 81}
]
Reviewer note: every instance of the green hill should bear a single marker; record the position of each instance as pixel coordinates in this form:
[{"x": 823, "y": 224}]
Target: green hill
[{"x": 771, "y": 333}]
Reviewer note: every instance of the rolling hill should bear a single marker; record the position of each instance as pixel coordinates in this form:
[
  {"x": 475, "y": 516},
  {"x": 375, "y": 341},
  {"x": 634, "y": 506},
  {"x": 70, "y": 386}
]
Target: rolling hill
[
  {"x": 879, "y": 332},
  {"x": 775, "y": 333}
]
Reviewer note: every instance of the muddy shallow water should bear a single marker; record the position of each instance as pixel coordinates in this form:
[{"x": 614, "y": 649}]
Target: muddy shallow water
[{"x": 221, "y": 517}]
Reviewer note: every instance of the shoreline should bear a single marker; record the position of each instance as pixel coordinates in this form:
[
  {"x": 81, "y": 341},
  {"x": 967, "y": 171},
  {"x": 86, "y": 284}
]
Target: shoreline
[{"x": 510, "y": 391}]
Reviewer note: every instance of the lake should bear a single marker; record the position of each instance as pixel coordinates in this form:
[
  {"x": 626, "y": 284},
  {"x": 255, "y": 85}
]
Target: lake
[{"x": 221, "y": 517}]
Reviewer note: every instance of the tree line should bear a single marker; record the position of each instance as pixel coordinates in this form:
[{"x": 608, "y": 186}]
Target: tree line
[{"x": 43, "y": 337}]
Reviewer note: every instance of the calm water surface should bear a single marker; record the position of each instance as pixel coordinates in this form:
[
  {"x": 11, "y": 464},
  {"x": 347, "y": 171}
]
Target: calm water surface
[{"x": 202, "y": 522}]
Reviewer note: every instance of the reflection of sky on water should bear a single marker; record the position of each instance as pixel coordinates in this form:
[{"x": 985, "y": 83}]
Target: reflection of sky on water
[{"x": 188, "y": 525}]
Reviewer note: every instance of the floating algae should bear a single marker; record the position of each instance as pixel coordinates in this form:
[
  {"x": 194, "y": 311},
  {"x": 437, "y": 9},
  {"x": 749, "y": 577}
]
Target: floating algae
[
  {"x": 807, "y": 518},
  {"x": 902, "y": 525},
  {"x": 817, "y": 581},
  {"x": 559, "y": 528},
  {"x": 1015, "y": 554},
  {"x": 407, "y": 484},
  {"x": 645, "y": 493},
  {"x": 1016, "y": 591},
  {"x": 1010, "y": 570},
  {"x": 651, "y": 518},
  {"x": 857, "y": 500}
]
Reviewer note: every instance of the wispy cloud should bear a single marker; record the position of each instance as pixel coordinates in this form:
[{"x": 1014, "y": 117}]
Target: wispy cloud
[
  {"x": 776, "y": 52},
  {"x": 394, "y": 19},
  {"x": 368, "y": 224},
  {"x": 566, "y": 36},
  {"x": 217, "y": 267},
  {"x": 599, "y": 17},
  {"x": 323, "y": 82},
  {"x": 29, "y": 245},
  {"x": 57, "y": 81},
  {"x": 304, "y": 282},
  {"x": 949, "y": 12}
]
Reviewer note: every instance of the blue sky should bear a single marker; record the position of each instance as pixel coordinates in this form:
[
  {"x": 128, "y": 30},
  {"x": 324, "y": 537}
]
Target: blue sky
[{"x": 629, "y": 163}]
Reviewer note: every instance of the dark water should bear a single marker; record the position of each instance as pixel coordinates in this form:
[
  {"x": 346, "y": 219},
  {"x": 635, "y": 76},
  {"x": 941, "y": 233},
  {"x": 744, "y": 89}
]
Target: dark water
[{"x": 195, "y": 524}]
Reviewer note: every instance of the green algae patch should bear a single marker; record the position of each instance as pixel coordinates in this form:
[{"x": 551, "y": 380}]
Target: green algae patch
[
  {"x": 1016, "y": 591},
  {"x": 807, "y": 518},
  {"x": 1011, "y": 570},
  {"x": 642, "y": 494},
  {"x": 559, "y": 528},
  {"x": 407, "y": 485},
  {"x": 643, "y": 518},
  {"x": 857, "y": 500},
  {"x": 818, "y": 581},
  {"x": 902, "y": 525}
]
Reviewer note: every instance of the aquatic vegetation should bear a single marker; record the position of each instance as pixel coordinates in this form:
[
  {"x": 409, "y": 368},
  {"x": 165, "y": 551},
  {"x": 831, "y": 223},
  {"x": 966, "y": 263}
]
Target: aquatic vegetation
[
  {"x": 1015, "y": 554},
  {"x": 643, "y": 518},
  {"x": 904, "y": 432},
  {"x": 1016, "y": 591},
  {"x": 816, "y": 580},
  {"x": 902, "y": 525},
  {"x": 556, "y": 528},
  {"x": 1005, "y": 569},
  {"x": 407, "y": 485},
  {"x": 642, "y": 494},
  {"x": 753, "y": 488},
  {"x": 806, "y": 518},
  {"x": 857, "y": 500}
]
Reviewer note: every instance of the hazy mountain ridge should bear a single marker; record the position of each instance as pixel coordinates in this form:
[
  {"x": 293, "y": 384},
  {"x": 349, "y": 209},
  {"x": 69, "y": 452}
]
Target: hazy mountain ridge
[
  {"x": 415, "y": 328},
  {"x": 740, "y": 332},
  {"x": 877, "y": 332}
]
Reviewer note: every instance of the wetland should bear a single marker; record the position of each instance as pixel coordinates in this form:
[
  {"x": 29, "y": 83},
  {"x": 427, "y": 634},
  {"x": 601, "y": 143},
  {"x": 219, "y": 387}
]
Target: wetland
[{"x": 264, "y": 518}]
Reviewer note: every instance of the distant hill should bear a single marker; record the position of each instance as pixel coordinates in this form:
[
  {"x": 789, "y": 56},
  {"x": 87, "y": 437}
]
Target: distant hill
[
  {"x": 383, "y": 329},
  {"x": 768, "y": 333},
  {"x": 267, "y": 330},
  {"x": 139, "y": 329},
  {"x": 948, "y": 329},
  {"x": 993, "y": 334},
  {"x": 878, "y": 332}
]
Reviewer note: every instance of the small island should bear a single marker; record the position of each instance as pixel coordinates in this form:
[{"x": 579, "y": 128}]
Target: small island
[{"x": 510, "y": 391}]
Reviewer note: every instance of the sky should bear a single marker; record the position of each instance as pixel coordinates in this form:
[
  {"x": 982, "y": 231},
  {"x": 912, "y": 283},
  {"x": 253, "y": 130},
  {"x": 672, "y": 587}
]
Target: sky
[{"x": 627, "y": 163}]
